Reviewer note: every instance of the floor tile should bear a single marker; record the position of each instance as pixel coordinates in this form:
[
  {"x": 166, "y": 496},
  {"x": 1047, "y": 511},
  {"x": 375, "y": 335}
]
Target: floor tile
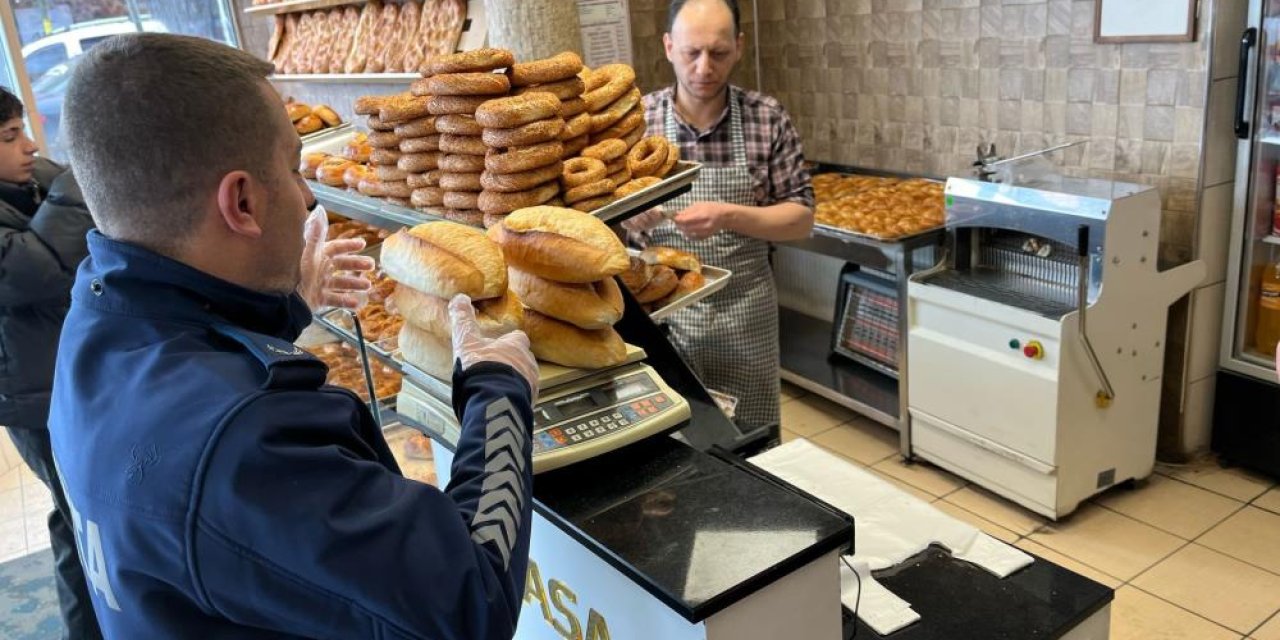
[
  {"x": 997, "y": 509},
  {"x": 1137, "y": 615},
  {"x": 1269, "y": 501},
  {"x": 1268, "y": 631},
  {"x": 860, "y": 440},
  {"x": 1232, "y": 482},
  {"x": 787, "y": 435},
  {"x": 1026, "y": 544},
  {"x": 811, "y": 415},
  {"x": 1252, "y": 535},
  {"x": 37, "y": 531},
  {"x": 986, "y": 526},
  {"x": 36, "y": 499},
  {"x": 11, "y": 479},
  {"x": 10, "y": 505},
  {"x": 1177, "y": 507},
  {"x": 790, "y": 391},
  {"x": 921, "y": 474},
  {"x": 918, "y": 493},
  {"x": 1220, "y": 588},
  {"x": 1115, "y": 544}
]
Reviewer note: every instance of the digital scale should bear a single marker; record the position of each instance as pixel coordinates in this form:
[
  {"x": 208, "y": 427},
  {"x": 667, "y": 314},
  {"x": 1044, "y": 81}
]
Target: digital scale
[{"x": 575, "y": 420}]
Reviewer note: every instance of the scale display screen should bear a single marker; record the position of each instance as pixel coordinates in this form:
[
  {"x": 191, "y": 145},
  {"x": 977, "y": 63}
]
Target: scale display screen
[{"x": 611, "y": 394}]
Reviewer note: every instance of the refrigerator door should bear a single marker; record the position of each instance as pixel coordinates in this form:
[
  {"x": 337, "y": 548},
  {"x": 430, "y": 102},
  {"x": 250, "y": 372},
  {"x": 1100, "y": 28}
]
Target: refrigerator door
[{"x": 1252, "y": 323}]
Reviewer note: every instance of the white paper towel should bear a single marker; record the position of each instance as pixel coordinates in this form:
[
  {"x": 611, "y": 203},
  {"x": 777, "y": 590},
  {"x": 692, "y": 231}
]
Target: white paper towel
[
  {"x": 878, "y": 607},
  {"x": 890, "y": 525}
]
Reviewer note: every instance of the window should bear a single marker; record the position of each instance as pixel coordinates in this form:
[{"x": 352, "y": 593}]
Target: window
[{"x": 40, "y": 60}]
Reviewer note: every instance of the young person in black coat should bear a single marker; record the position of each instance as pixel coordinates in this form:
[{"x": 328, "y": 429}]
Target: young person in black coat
[{"x": 43, "y": 222}]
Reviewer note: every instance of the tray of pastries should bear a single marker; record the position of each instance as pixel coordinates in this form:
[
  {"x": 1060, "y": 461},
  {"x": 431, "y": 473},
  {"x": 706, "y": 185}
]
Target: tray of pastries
[
  {"x": 379, "y": 325},
  {"x": 665, "y": 280},
  {"x": 876, "y": 207},
  {"x": 412, "y": 451},
  {"x": 345, "y": 371}
]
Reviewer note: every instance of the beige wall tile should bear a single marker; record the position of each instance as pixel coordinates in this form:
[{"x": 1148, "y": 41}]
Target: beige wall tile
[
  {"x": 1220, "y": 588},
  {"x": 922, "y": 475},
  {"x": 1249, "y": 535},
  {"x": 1171, "y": 505},
  {"x": 1138, "y": 615},
  {"x": 1115, "y": 544}
]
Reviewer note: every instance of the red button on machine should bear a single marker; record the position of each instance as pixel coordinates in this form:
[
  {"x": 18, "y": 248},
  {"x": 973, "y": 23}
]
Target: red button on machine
[{"x": 1033, "y": 350}]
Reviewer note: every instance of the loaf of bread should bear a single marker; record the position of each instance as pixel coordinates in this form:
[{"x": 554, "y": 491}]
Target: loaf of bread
[
  {"x": 430, "y": 353},
  {"x": 559, "y": 244},
  {"x": 444, "y": 259},
  {"x": 565, "y": 344},
  {"x": 594, "y": 305},
  {"x": 671, "y": 257},
  {"x": 495, "y": 316}
]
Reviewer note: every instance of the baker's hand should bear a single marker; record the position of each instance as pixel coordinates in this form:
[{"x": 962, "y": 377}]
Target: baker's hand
[
  {"x": 701, "y": 220},
  {"x": 639, "y": 225},
  {"x": 472, "y": 346},
  {"x": 330, "y": 270}
]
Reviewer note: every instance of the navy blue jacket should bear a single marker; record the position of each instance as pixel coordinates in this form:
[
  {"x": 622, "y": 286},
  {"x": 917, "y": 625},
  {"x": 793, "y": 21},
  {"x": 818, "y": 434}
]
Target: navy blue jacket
[
  {"x": 42, "y": 229},
  {"x": 220, "y": 490}
]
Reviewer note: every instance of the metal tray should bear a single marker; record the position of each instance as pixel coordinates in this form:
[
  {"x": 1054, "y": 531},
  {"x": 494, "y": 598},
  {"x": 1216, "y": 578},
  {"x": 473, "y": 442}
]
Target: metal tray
[
  {"x": 845, "y": 234},
  {"x": 716, "y": 278},
  {"x": 337, "y": 321},
  {"x": 343, "y": 130},
  {"x": 678, "y": 182}
]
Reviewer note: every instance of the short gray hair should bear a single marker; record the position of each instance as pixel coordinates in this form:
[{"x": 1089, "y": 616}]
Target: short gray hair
[{"x": 155, "y": 121}]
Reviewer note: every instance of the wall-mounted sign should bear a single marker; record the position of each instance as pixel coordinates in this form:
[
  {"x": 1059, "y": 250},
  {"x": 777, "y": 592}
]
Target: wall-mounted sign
[{"x": 1144, "y": 21}]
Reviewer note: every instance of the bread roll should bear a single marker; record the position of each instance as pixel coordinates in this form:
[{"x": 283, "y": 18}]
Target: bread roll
[
  {"x": 689, "y": 282},
  {"x": 560, "y": 244},
  {"x": 430, "y": 353},
  {"x": 495, "y": 316},
  {"x": 588, "y": 306},
  {"x": 636, "y": 277},
  {"x": 567, "y": 345},
  {"x": 674, "y": 258},
  {"x": 445, "y": 259},
  {"x": 663, "y": 282}
]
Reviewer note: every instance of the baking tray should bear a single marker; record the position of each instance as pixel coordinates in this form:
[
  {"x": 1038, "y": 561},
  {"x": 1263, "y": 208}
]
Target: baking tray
[
  {"x": 338, "y": 321},
  {"x": 321, "y": 332},
  {"x": 343, "y": 130},
  {"x": 675, "y": 184},
  {"x": 716, "y": 278},
  {"x": 846, "y": 234}
]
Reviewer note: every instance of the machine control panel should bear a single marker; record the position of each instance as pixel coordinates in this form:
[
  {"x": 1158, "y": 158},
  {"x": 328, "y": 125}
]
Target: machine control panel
[{"x": 1032, "y": 349}]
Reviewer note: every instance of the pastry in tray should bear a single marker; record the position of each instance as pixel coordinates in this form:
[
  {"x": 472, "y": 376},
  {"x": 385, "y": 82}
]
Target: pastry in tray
[
  {"x": 885, "y": 208},
  {"x": 345, "y": 371},
  {"x": 378, "y": 324},
  {"x": 661, "y": 275},
  {"x": 354, "y": 229}
]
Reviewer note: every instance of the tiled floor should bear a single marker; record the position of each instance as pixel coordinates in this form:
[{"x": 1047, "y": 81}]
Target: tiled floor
[
  {"x": 1193, "y": 552},
  {"x": 24, "y": 506}
]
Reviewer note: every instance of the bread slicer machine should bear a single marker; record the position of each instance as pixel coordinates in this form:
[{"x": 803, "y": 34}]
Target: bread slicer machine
[{"x": 580, "y": 414}]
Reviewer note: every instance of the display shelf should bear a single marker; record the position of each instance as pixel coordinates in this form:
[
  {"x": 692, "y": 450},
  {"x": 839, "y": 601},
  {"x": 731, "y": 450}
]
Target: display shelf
[
  {"x": 1271, "y": 140},
  {"x": 298, "y": 5},
  {"x": 368, "y": 210},
  {"x": 805, "y": 350},
  {"x": 1270, "y": 239},
  {"x": 347, "y": 78}
]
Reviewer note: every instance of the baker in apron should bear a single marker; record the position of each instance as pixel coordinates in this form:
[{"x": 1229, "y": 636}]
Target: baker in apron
[{"x": 753, "y": 190}]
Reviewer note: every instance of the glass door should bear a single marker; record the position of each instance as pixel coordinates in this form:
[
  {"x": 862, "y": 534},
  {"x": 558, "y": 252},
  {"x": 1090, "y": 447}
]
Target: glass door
[{"x": 1257, "y": 224}]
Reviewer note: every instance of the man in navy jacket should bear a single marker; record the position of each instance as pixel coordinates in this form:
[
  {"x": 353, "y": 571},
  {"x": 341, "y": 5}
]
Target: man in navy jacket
[{"x": 218, "y": 488}]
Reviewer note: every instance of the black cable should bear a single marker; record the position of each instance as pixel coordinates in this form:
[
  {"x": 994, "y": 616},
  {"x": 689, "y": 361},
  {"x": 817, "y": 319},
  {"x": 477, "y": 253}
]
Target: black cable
[
  {"x": 368, "y": 372},
  {"x": 857, "y": 600}
]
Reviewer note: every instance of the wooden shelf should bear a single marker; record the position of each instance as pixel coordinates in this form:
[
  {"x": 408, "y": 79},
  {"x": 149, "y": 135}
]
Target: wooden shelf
[
  {"x": 347, "y": 78},
  {"x": 298, "y": 5}
]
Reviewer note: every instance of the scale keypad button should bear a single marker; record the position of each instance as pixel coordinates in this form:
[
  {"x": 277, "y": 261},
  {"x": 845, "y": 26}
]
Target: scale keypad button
[
  {"x": 570, "y": 431},
  {"x": 575, "y": 438},
  {"x": 600, "y": 431},
  {"x": 594, "y": 423},
  {"x": 623, "y": 423},
  {"x": 617, "y": 416}
]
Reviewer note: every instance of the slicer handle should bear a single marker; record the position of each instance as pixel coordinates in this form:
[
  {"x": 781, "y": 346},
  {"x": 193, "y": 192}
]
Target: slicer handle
[{"x": 1082, "y": 240}]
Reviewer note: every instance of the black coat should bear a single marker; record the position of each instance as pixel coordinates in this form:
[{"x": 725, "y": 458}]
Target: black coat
[{"x": 38, "y": 259}]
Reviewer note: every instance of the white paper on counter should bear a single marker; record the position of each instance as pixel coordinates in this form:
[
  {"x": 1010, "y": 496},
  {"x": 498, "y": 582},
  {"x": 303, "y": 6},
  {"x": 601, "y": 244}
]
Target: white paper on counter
[{"x": 878, "y": 607}]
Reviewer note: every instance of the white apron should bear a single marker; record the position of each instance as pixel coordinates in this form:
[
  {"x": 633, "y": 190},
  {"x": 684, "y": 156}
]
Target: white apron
[{"x": 729, "y": 339}]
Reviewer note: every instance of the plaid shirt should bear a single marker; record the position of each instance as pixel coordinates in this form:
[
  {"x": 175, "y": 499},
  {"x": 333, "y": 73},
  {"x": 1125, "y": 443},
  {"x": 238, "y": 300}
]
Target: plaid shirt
[{"x": 774, "y": 155}]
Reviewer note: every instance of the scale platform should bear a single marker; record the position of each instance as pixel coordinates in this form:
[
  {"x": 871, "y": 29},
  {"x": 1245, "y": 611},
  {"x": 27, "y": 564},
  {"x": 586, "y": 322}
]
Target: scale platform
[{"x": 580, "y": 413}]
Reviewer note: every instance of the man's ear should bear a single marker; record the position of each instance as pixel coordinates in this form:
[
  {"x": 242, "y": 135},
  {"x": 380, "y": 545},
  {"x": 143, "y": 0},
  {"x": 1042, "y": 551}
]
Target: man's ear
[
  {"x": 667, "y": 46},
  {"x": 241, "y": 204}
]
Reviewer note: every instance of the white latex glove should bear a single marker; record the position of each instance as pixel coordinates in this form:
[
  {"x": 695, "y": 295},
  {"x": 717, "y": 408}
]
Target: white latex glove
[
  {"x": 328, "y": 266},
  {"x": 472, "y": 346},
  {"x": 639, "y": 225}
]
